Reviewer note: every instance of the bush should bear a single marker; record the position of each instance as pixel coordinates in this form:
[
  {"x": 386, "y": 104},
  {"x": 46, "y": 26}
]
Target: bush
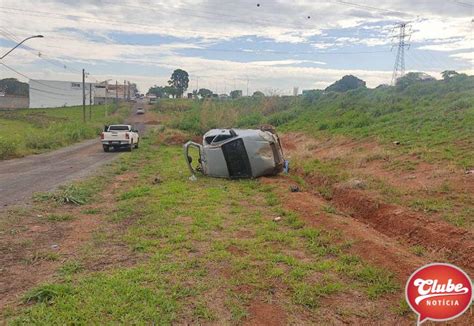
[
  {"x": 280, "y": 118},
  {"x": 251, "y": 120},
  {"x": 41, "y": 141},
  {"x": 8, "y": 149}
]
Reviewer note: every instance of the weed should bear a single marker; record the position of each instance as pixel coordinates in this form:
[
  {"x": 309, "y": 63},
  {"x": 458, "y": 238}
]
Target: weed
[
  {"x": 8, "y": 149},
  {"x": 402, "y": 309},
  {"x": 201, "y": 311},
  {"x": 418, "y": 250},
  {"x": 136, "y": 192},
  {"x": 70, "y": 267},
  {"x": 92, "y": 211},
  {"x": 47, "y": 293},
  {"x": 329, "y": 209},
  {"x": 71, "y": 194},
  {"x": 59, "y": 217}
]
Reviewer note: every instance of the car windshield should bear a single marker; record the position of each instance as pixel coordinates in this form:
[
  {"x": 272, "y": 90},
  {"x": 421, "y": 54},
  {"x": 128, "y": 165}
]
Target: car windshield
[{"x": 118, "y": 128}]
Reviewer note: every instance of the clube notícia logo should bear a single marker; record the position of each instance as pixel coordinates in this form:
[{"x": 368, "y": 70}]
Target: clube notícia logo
[{"x": 439, "y": 292}]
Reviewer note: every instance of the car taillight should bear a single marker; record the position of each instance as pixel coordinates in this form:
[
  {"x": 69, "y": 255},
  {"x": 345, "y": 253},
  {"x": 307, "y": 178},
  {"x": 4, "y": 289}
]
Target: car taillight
[
  {"x": 101, "y": 135},
  {"x": 127, "y": 136}
]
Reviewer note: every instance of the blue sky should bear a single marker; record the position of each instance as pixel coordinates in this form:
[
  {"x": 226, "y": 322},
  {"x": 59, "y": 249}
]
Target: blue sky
[{"x": 225, "y": 44}]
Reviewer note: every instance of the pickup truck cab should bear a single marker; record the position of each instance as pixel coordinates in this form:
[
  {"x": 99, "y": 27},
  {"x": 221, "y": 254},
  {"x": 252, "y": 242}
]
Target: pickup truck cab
[{"x": 119, "y": 136}]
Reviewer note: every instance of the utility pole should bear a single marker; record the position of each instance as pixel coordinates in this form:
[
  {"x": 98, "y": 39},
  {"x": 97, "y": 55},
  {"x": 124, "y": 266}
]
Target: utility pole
[
  {"x": 84, "y": 95},
  {"x": 399, "y": 67},
  {"x": 124, "y": 89},
  {"x": 116, "y": 95},
  {"x": 106, "y": 96},
  {"x": 90, "y": 101},
  {"x": 247, "y": 86}
]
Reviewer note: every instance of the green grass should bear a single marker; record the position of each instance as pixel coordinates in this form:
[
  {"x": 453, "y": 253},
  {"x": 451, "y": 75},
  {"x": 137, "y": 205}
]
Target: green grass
[
  {"x": 28, "y": 131},
  {"x": 203, "y": 241}
]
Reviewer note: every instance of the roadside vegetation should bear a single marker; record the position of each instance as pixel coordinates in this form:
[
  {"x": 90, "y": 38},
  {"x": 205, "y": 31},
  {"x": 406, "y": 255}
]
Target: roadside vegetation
[
  {"x": 209, "y": 251},
  {"x": 29, "y": 131},
  {"x": 433, "y": 119},
  {"x": 411, "y": 144}
]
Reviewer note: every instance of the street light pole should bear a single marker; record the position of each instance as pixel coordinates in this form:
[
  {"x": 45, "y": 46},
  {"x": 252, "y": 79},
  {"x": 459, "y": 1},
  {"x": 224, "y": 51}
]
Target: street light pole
[{"x": 35, "y": 36}]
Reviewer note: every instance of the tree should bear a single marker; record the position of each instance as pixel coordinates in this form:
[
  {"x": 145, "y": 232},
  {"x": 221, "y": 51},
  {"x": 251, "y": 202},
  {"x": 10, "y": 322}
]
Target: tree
[
  {"x": 158, "y": 91},
  {"x": 412, "y": 78},
  {"x": 448, "y": 74},
  {"x": 346, "y": 83},
  {"x": 204, "y": 92},
  {"x": 12, "y": 86},
  {"x": 179, "y": 81},
  {"x": 258, "y": 94},
  {"x": 170, "y": 91},
  {"x": 236, "y": 94}
]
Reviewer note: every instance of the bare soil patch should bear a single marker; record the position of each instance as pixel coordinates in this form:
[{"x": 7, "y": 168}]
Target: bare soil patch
[
  {"x": 366, "y": 242},
  {"x": 265, "y": 314},
  {"x": 398, "y": 227}
]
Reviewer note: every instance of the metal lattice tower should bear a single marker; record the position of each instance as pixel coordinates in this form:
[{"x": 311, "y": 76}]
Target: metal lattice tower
[{"x": 399, "y": 67}]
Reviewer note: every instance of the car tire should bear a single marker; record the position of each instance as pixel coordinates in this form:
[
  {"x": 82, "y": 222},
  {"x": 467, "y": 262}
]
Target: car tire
[
  {"x": 136, "y": 145},
  {"x": 130, "y": 147},
  {"x": 106, "y": 148}
]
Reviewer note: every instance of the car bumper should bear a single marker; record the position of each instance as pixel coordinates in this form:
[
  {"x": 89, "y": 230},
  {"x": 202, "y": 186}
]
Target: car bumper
[{"x": 115, "y": 142}]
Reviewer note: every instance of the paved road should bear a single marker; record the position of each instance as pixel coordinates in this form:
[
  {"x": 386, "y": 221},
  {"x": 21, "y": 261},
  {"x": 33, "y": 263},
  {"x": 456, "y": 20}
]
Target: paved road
[{"x": 20, "y": 178}]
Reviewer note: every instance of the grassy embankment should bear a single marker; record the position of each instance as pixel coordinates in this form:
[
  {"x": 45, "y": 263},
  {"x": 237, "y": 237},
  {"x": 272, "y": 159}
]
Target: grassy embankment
[
  {"x": 197, "y": 252},
  {"x": 432, "y": 121},
  {"x": 29, "y": 131}
]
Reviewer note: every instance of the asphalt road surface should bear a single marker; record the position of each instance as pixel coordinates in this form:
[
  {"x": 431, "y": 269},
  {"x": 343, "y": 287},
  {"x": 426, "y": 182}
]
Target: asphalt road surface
[{"x": 20, "y": 178}]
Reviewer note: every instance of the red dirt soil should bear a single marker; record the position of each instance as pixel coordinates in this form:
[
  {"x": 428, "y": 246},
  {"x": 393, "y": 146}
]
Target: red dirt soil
[
  {"x": 367, "y": 243},
  {"x": 265, "y": 314},
  {"x": 388, "y": 230}
]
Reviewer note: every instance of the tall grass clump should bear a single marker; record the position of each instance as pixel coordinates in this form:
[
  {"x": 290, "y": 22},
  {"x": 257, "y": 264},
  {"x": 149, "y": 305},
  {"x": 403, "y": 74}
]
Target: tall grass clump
[{"x": 8, "y": 149}]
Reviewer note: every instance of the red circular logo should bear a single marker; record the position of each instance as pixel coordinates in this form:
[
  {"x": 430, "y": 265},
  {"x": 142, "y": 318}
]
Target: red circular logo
[{"x": 439, "y": 292}]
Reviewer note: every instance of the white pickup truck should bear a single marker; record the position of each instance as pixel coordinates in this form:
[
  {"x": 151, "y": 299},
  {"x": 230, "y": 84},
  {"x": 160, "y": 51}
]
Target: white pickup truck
[{"x": 119, "y": 136}]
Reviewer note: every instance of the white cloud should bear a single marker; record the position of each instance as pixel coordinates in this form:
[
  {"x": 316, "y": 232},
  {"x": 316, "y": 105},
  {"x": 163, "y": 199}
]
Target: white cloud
[{"x": 84, "y": 32}]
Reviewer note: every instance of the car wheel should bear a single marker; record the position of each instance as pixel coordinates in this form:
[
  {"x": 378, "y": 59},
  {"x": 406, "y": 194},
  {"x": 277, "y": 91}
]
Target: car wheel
[
  {"x": 130, "y": 147},
  {"x": 106, "y": 148},
  {"x": 136, "y": 145}
]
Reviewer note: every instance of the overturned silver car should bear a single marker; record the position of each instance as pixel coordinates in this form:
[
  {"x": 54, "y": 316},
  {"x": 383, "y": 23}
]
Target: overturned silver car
[{"x": 238, "y": 153}]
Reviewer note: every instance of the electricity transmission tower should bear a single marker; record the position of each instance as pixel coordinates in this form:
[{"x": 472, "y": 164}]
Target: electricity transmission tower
[{"x": 403, "y": 39}]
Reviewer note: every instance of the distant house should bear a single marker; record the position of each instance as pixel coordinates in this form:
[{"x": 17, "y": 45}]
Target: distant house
[{"x": 55, "y": 93}]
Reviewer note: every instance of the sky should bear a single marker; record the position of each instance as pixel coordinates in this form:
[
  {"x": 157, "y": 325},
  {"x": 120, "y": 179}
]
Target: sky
[{"x": 271, "y": 46}]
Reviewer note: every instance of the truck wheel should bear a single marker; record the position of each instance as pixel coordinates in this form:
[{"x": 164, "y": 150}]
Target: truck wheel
[
  {"x": 106, "y": 148},
  {"x": 130, "y": 147},
  {"x": 136, "y": 145}
]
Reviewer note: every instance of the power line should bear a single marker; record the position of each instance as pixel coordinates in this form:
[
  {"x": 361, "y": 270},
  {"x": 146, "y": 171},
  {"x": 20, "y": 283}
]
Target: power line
[
  {"x": 9, "y": 35},
  {"x": 97, "y": 20},
  {"x": 463, "y": 4},
  {"x": 252, "y": 51},
  {"x": 26, "y": 76},
  {"x": 361, "y": 6},
  {"x": 13, "y": 37}
]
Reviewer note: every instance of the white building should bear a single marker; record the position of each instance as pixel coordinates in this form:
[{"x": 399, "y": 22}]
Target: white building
[{"x": 55, "y": 93}]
